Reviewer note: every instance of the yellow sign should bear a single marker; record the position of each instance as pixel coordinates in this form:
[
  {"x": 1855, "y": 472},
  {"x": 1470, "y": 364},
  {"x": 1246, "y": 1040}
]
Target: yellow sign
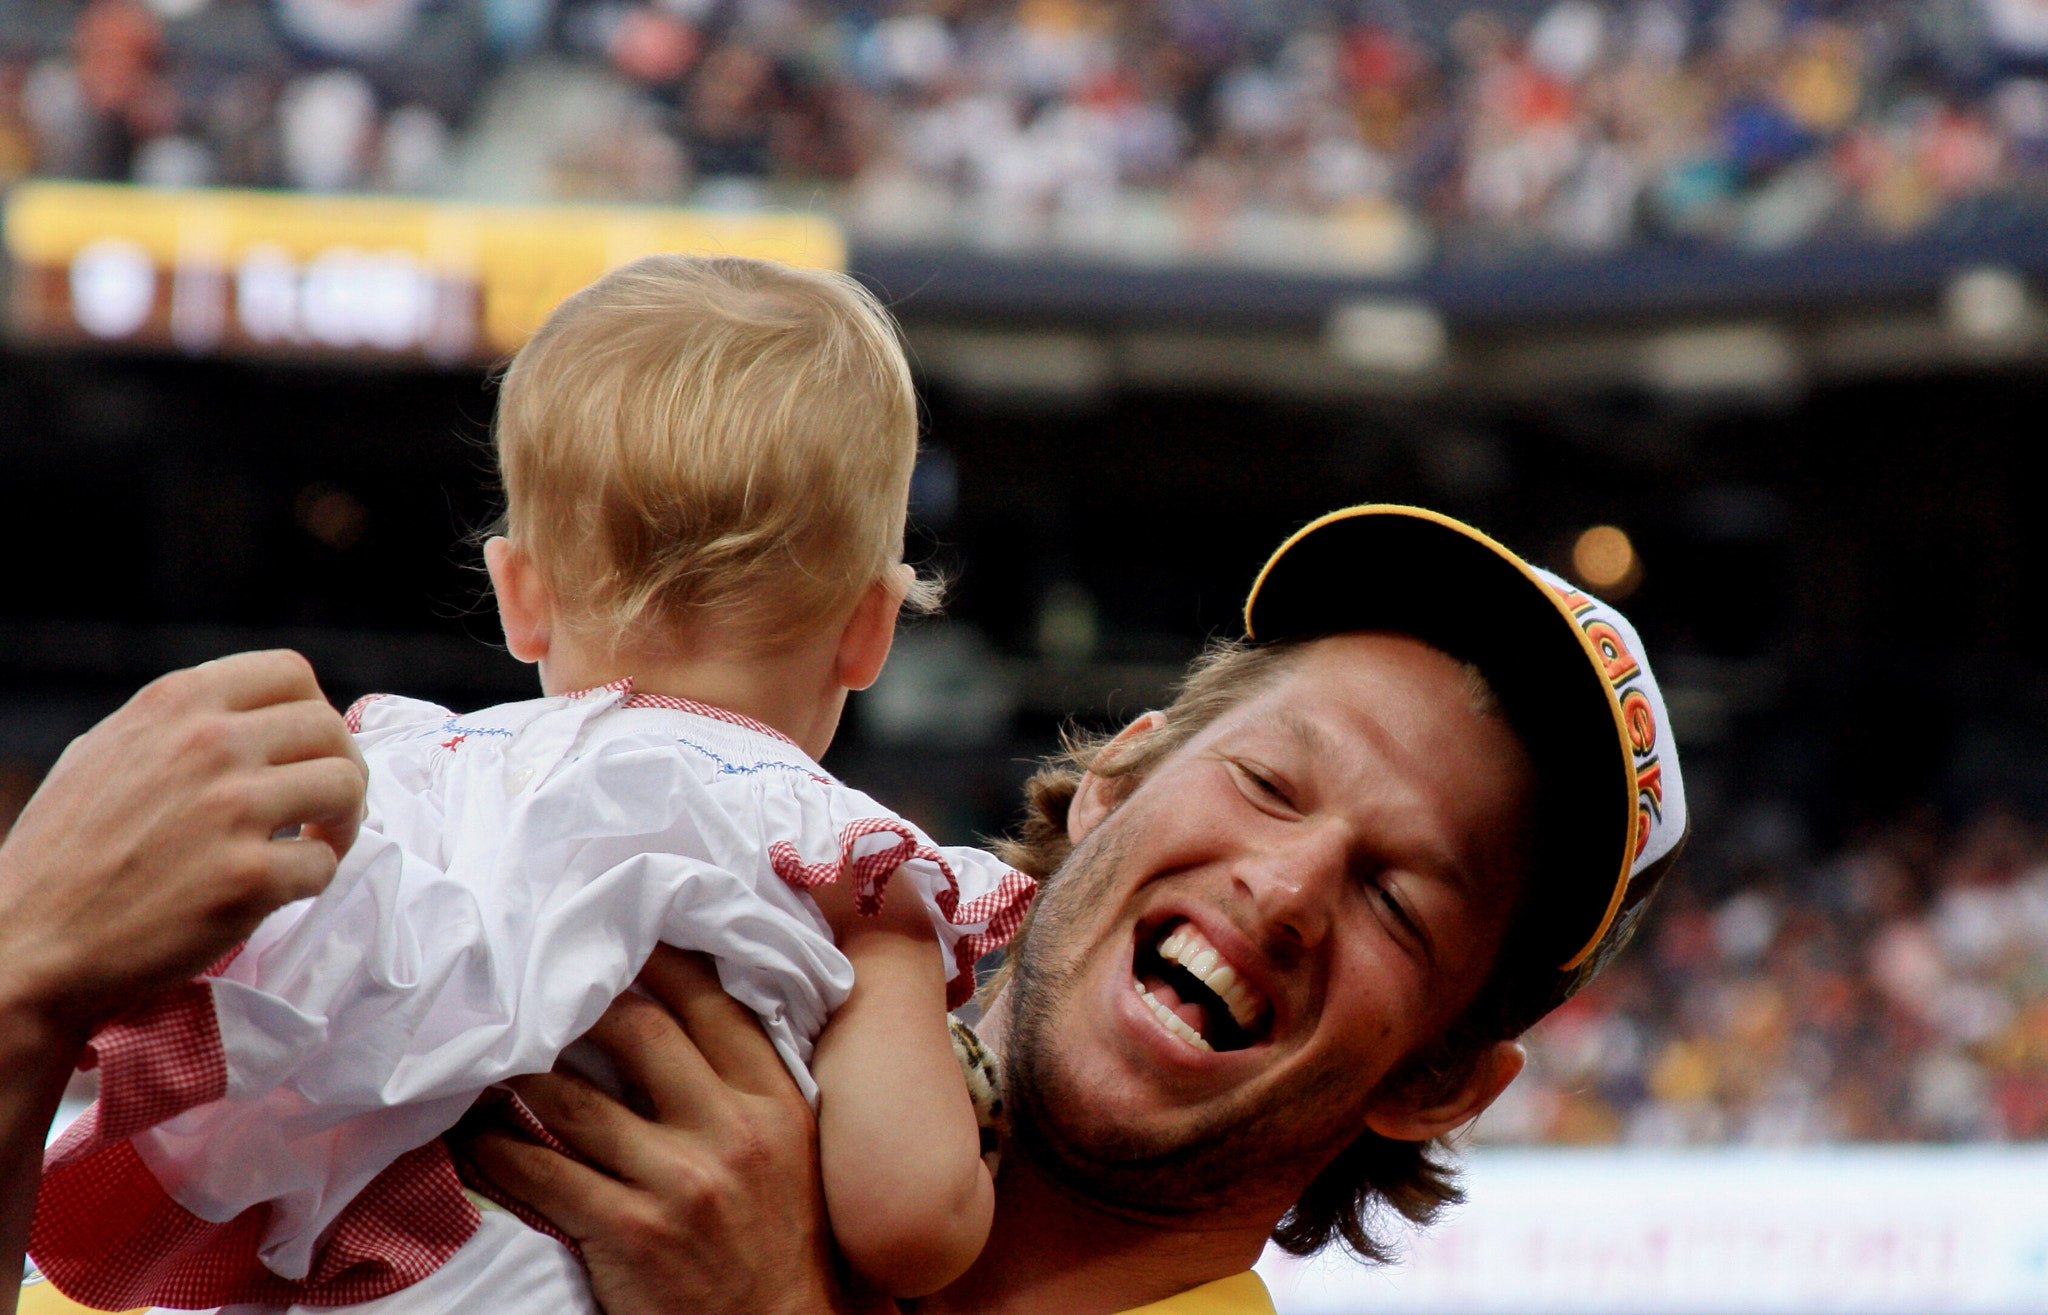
[{"x": 211, "y": 270}]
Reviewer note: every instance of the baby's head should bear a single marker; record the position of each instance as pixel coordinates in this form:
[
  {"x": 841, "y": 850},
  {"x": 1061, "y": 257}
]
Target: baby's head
[{"x": 709, "y": 451}]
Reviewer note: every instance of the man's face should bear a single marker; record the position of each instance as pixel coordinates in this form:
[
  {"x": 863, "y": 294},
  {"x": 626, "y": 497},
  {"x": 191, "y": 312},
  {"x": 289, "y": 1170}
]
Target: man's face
[{"x": 1297, "y": 900}]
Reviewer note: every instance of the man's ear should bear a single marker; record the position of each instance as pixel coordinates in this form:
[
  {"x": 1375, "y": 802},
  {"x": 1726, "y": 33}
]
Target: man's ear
[
  {"x": 1405, "y": 1117},
  {"x": 1096, "y": 795},
  {"x": 870, "y": 632},
  {"x": 524, "y": 608}
]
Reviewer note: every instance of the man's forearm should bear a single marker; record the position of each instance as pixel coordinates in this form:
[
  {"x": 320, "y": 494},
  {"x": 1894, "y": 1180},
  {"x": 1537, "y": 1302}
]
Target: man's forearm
[
  {"x": 159, "y": 838},
  {"x": 34, "y": 1066}
]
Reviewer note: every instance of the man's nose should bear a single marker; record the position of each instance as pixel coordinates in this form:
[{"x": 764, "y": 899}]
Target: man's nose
[{"x": 1294, "y": 886}]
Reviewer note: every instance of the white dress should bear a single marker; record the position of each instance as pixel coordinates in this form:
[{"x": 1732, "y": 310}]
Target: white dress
[{"x": 268, "y": 1134}]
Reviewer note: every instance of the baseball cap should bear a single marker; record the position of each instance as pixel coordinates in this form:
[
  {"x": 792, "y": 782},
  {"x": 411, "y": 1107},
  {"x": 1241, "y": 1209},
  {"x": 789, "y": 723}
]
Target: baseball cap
[{"x": 1571, "y": 677}]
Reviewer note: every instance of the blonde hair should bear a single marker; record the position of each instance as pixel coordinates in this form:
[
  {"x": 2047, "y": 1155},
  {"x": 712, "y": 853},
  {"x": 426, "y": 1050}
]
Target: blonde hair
[{"x": 713, "y": 438}]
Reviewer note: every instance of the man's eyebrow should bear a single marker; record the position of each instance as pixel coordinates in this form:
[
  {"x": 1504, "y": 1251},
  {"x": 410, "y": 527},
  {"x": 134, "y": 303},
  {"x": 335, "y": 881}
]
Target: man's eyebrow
[
  {"x": 1311, "y": 738},
  {"x": 1315, "y": 739}
]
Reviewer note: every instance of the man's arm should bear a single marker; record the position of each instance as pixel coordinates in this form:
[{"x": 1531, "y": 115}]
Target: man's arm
[
  {"x": 158, "y": 841},
  {"x": 714, "y": 1206}
]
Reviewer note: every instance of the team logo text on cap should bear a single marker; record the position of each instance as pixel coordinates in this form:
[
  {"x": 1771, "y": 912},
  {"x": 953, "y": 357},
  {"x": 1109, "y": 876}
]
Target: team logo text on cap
[{"x": 1639, "y": 705}]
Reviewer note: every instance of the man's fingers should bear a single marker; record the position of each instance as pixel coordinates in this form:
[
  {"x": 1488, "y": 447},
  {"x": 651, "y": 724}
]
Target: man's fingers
[
  {"x": 338, "y": 835},
  {"x": 577, "y": 1197},
  {"x": 724, "y": 1031},
  {"x": 299, "y": 869},
  {"x": 602, "y": 1130},
  {"x": 324, "y": 793},
  {"x": 297, "y": 731},
  {"x": 256, "y": 877},
  {"x": 673, "y": 976},
  {"x": 242, "y": 681},
  {"x": 651, "y": 1051}
]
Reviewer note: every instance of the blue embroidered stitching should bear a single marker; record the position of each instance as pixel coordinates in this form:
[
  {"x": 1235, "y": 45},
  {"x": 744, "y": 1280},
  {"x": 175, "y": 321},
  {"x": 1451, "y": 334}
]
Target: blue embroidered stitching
[
  {"x": 450, "y": 725},
  {"x": 734, "y": 769}
]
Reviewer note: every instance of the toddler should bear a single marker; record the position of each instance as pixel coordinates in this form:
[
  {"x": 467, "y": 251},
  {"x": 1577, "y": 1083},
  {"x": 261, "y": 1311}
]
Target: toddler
[{"x": 706, "y": 464}]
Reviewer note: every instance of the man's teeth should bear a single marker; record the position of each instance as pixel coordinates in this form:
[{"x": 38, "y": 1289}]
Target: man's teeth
[
  {"x": 1192, "y": 951},
  {"x": 1174, "y": 1022}
]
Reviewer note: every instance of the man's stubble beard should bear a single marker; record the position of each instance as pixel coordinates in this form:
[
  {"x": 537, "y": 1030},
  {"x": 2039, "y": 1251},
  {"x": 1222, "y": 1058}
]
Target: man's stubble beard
[{"x": 1195, "y": 1168}]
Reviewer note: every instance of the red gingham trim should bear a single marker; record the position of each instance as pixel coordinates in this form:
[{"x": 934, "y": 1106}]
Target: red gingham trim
[
  {"x": 109, "y": 1237},
  {"x": 220, "y": 965},
  {"x": 499, "y": 1110},
  {"x": 1009, "y": 900},
  {"x": 1002, "y": 908},
  {"x": 625, "y": 685},
  {"x": 712, "y": 711},
  {"x": 399, "y": 1229},
  {"x": 154, "y": 1064},
  {"x": 353, "y": 718}
]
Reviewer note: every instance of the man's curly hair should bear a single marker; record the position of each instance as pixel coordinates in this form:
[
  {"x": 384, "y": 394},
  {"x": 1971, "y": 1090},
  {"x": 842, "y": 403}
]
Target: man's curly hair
[{"x": 1374, "y": 1174}]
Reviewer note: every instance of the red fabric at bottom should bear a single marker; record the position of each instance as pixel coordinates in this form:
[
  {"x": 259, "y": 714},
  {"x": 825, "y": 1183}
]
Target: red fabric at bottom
[{"x": 108, "y": 1236}]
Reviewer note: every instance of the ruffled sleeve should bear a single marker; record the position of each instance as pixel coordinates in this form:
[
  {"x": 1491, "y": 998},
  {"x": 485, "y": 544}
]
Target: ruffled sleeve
[{"x": 815, "y": 831}]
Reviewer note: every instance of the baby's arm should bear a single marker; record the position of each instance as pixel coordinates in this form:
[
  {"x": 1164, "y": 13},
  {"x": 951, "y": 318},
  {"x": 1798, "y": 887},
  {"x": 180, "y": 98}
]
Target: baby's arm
[{"x": 909, "y": 1197}]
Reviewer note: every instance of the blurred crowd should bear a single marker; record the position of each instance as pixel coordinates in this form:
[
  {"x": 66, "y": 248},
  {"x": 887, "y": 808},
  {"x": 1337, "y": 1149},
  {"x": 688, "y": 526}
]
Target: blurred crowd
[
  {"x": 1897, "y": 991},
  {"x": 1363, "y": 134}
]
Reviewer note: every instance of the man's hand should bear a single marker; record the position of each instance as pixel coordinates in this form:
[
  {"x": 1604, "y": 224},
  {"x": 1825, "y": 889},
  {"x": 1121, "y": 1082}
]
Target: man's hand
[
  {"x": 157, "y": 842},
  {"x": 164, "y": 834},
  {"x": 713, "y": 1206}
]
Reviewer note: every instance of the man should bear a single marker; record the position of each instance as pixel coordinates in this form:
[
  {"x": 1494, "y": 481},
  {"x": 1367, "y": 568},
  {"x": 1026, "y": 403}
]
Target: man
[
  {"x": 1291, "y": 929},
  {"x": 158, "y": 841}
]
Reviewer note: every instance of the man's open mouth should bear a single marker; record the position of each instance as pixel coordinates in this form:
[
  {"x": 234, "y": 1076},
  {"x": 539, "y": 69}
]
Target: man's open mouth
[{"x": 1195, "y": 994}]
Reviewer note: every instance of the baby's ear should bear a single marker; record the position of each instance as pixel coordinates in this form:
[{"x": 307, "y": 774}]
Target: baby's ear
[
  {"x": 524, "y": 608},
  {"x": 870, "y": 631},
  {"x": 1097, "y": 795}
]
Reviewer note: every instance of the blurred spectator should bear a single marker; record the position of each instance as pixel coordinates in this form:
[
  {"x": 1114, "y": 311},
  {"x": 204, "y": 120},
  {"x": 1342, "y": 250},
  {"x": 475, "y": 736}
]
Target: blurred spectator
[
  {"x": 1897, "y": 991},
  {"x": 348, "y": 28},
  {"x": 1304, "y": 135},
  {"x": 327, "y": 122}
]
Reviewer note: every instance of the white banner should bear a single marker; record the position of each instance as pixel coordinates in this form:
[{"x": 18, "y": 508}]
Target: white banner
[{"x": 1873, "y": 1230}]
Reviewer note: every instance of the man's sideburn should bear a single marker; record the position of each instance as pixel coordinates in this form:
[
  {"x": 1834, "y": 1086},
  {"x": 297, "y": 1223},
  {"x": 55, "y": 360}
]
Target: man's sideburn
[{"x": 1131, "y": 1169}]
